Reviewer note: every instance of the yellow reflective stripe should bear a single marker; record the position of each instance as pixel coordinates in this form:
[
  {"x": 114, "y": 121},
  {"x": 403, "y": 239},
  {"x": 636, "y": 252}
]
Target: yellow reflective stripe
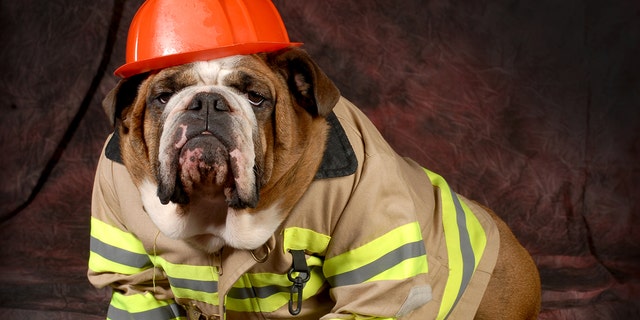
[
  {"x": 373, "y": 250},
  {"x": 115, "y": 250},
  {"x": 476, "y": 234},
  {"x": 305, "y": 239},
  {"x": 187, "y": 271},
  {"x": 401, "y": 255},
  {"x": 187, "y": 293},
  {"x": 398, "y": 254},
  {"x": 116, "y": 237},
  {"x": 269, "y": 292},
  {"x": 191, "y": 281},
  {"x": 142, "y": 306},
  {"x": 99, "y": 264},
  {"x": 358, "y": 317},
  {"x": 465, "y": 241},
  {"x": 455, "y": 258},
  {"x": 409, "y": 268}
]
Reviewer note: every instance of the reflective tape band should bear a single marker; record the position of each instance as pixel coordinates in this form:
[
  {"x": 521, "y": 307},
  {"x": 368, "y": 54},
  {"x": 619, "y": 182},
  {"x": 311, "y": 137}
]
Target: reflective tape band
[
  {"x": 246, "y": 296},
  {"x": 358, "y": 317},
  {"x": 119, "y": 255},
  {"x": 395, "y": 265},
  {"x": 477, "y": 236},
  {"x": 187, "y": 271},
  {"x": 186, "y": 293},
  {"x": 115, "y": 237},
  {"x": 466, "y": 251},
  {"x": 100, "y": 264},
  {"x": 115, "y": 250},
  {"x": 256, "y": 292},
  {"x": 460, "y": 228},
  {"x": 196, "y": 282},
  {"x": 143, "y": 307},
  {"x": 400, "y": 243},
  {"x": 195, "y": 285},
  {"x": 310, "y": 241},
  {"x": 408, "y": 268}
]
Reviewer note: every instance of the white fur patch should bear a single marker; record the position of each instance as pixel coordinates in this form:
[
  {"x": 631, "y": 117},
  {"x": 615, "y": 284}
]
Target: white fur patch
[
  {"x": 211, "y": 72},
  {"x": 165, "y": 217},
  {"x": 242, "y": 230},
  {"x": 251, "y": 230}
]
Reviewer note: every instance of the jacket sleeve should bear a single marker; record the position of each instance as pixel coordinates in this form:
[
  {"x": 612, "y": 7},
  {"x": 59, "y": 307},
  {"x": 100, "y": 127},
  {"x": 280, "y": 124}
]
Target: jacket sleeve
[
  {"x": 118, "y": 259},
  {"x": 376, "y": 260}
]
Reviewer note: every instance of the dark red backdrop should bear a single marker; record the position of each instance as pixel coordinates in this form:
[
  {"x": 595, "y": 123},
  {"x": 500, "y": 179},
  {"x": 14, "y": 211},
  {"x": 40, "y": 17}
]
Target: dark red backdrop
[{"x": 530, "y": 107}]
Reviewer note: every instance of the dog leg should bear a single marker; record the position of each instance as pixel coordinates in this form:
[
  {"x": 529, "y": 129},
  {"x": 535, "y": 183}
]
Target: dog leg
[{"x": 514, "y": 289}]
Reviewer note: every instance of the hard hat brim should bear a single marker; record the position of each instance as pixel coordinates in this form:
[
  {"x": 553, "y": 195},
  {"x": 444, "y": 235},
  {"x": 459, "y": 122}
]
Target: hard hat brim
[{"x": 171, "y": 60}]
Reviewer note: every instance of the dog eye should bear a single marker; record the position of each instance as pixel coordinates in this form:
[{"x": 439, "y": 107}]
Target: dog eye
[
  {"x": 164, "y": 97},
  {"x": 255, "y": 98}
]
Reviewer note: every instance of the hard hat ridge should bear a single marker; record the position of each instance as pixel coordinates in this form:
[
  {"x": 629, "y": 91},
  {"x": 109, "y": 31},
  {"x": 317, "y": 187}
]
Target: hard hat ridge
[{"x": 167, "y": 33}]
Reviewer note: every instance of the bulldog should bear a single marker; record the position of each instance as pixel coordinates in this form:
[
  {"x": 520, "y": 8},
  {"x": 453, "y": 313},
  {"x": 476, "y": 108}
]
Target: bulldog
[{"x": 227, "y": 153}]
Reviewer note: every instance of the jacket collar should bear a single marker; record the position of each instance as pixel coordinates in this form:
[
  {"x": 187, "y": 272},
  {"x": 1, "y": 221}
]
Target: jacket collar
[{"x": 339, "y": 159}]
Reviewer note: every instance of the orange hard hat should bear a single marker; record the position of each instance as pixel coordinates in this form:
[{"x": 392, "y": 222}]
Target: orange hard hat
[{"x": 167, "y": 33}]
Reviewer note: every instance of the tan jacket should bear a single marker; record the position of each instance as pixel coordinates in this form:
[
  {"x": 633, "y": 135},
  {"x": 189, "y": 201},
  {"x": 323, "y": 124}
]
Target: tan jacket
[{"x": 366, "y": 224}]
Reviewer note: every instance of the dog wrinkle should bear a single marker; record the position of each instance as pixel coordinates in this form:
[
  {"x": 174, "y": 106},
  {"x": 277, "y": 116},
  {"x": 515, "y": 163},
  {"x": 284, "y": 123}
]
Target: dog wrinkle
[
  {"x": 183, "y": 137},
  {"x": 244, "y": 177}
]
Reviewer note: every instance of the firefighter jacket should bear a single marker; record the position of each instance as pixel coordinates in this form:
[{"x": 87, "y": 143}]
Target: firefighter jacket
[{"x": 374, "y": 236}]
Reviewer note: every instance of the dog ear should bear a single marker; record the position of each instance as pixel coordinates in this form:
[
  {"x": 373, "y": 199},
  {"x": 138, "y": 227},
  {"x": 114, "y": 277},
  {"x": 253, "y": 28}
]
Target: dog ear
[
  {"x": 311, "y": 87},
  {"x": 121, "y": 97}
]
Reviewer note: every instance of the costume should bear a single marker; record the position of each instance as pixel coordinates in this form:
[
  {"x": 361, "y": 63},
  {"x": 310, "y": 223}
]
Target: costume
[{"x": 382, "y": 237}]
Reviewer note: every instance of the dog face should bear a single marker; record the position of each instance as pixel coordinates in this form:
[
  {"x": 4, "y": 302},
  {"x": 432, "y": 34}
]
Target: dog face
[{"x": 221, "y": 150}]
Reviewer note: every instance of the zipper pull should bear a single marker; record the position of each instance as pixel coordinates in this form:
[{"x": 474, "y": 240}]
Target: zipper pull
[{"x": 298, "y": 265}]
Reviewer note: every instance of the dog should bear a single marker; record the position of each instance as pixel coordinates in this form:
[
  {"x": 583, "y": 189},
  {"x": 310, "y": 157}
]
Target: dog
[{"x": 252, "y": 158}]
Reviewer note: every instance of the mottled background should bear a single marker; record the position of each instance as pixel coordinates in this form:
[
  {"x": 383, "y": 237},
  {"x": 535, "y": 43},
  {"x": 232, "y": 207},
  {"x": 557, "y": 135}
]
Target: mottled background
[{"x": 530, "y": 107}]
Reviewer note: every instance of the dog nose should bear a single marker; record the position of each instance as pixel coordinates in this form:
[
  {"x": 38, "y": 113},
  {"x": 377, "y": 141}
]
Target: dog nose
[{"x": 208, "y": 100}]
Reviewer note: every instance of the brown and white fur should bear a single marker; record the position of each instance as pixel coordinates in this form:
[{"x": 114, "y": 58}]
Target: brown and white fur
[{"x": 239, "y": 142}]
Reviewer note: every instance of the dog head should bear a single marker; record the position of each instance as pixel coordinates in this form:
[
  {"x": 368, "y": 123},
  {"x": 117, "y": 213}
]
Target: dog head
[{"x": 221, "y": 150}]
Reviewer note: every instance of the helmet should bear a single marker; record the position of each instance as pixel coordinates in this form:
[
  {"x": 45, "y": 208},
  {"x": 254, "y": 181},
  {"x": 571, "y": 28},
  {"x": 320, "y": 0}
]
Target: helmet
[{"x": 167, "y": 33}]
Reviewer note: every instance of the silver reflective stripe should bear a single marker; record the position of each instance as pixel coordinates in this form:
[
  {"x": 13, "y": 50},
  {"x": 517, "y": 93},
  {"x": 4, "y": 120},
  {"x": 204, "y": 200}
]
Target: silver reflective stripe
[
  {"x": 256, "y": 292},
  {"x": 389, "y": 260},
  {"x": 468, "y": 257},
  {"x": 197, "y": 285},
  {"x": 167, "y": 312},
  {"x": 119, "y": 255}
]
